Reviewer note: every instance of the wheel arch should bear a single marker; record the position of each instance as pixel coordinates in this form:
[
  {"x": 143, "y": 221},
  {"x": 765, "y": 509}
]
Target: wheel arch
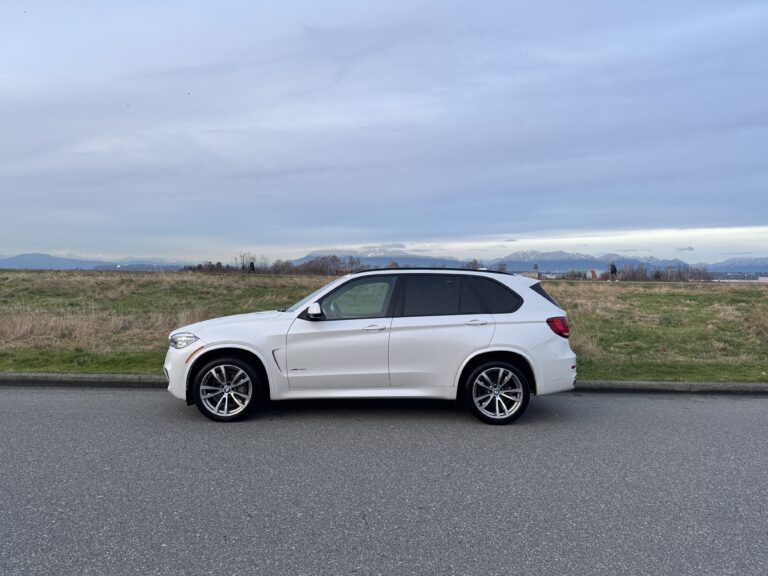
[
  {"x": 228, "y": 351},
  {"x": 514, "y": 357}
]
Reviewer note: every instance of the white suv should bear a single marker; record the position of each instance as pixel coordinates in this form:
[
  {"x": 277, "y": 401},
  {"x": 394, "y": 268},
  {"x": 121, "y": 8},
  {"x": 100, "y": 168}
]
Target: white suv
[{"x": 488, "y": 338}]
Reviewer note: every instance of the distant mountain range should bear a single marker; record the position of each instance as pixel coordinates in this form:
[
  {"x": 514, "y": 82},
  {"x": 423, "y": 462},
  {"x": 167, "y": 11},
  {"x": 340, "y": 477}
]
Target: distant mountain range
[
  {"x": 379, "y": 258},
  {"x": 556, "y": 261},
  {"x": 563, "y": 261},
  {"x": 751, "y": 265},
  {"x": 37, "y": 261}
]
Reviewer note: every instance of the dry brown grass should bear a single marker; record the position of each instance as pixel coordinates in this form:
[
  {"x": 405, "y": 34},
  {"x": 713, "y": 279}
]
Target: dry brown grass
[
  {"x": 109, "y": 313},
  {"x": 117, "y": 321},
  {"x": 97, "y": 330},
  {"x": 715, "y": 331}
]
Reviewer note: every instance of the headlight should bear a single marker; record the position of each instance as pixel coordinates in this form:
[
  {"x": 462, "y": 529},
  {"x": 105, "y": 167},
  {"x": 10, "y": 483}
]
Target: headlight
[{"x": 181, "y": 339}]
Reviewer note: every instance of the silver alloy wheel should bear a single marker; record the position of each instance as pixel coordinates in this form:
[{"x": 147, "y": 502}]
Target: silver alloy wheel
[
  {"x": 226, "y": 390},
  {"x": 497, "y": 392}
]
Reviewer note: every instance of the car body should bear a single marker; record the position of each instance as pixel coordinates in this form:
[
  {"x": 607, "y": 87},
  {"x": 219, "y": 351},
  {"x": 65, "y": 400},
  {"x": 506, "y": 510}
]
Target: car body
[{"x": 394, "y": 333}]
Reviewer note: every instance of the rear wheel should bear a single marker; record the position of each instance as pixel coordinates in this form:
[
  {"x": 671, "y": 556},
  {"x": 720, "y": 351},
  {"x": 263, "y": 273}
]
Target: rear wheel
[
  {"x": 226, "y": 389},
  {"x": 497, "y": 392}
]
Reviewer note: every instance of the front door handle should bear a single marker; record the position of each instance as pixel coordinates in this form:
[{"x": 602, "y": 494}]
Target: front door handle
[
  {"x": 374, "y": 328},
  {"x": 476, "y": 323}
]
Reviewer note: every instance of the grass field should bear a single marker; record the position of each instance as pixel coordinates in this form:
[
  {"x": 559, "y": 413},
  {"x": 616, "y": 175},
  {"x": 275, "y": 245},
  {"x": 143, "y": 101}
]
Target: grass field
[
  {"x": 660, "y": 331},
  {"x": 118, "y": 322}
]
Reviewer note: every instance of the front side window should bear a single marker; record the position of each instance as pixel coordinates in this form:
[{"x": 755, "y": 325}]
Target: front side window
[
  {"x": 363, "y": 298},
  {"x": 307, "y": 299}
]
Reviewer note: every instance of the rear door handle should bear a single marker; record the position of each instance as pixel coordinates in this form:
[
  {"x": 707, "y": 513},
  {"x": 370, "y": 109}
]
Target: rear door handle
[
  {"x": 374, "y": 328},
  {"x": 476, "y": 323}
]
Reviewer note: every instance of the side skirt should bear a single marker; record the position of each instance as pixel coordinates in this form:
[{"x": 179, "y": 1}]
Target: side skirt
[{"x": 440, "y": 392}]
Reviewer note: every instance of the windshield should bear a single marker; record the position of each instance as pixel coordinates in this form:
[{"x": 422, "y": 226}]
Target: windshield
[{"x": 307, "y": 299}]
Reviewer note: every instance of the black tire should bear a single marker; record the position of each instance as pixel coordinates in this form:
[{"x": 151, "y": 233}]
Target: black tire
[
  {"x": 239, "y": 385},
  {"x": 497, "y": 392}
]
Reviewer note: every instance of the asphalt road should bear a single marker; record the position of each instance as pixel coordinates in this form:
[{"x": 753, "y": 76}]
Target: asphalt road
[{"x": 134, "y": 482}]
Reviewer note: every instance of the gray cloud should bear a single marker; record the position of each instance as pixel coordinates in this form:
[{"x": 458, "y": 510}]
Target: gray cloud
[{"x": 396, "y": 121}]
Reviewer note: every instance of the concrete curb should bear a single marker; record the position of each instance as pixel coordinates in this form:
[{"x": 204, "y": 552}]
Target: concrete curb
[
  {"x": 152, "y": 381},
  {"x": 82, "y": 380},
  {"x": 680, "y": 387}
]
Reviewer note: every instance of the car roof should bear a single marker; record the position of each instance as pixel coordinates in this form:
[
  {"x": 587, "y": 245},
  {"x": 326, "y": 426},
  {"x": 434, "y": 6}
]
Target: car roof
[{"x": 503, "y": 276}]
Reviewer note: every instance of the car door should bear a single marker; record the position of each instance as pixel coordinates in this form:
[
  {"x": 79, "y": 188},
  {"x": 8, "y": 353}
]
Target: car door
[
  {"x": 439, "y": 321},
  {"x": 348, "y": 346}
]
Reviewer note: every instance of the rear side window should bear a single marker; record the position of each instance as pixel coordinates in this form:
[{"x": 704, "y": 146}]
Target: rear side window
[
  {"x": 431, "y": 295},
  {"x": 445, "y": 295},
  {"x": 470, "y": 301},
  {"x": 539, "y": 289},
  {"x": 499, "y": 298}
]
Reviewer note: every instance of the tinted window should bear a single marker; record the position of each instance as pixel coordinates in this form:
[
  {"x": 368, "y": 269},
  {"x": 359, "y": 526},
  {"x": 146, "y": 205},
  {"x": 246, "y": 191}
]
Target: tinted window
[
  {"x": 364, "y": 298},
  {"x": 499, "y": 298},
  {"x": 539, "y": 289},
  {"x": 469, "y": 297},
  {"x": 431, "y": 295}
]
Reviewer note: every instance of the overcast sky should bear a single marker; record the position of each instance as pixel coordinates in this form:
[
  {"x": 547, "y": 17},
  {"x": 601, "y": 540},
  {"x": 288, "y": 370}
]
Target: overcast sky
[{"x": 198, "y": 129}]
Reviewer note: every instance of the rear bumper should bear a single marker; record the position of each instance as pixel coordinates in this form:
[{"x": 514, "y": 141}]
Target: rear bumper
[{"x": 557, "y": 375}]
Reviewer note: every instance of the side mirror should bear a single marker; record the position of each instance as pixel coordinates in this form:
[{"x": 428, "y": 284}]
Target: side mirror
[{"x": 314, "y": 312}]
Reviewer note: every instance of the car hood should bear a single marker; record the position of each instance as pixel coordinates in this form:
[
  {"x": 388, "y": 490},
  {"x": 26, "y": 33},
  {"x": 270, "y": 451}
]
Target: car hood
[{"x": 199, "y": 328}]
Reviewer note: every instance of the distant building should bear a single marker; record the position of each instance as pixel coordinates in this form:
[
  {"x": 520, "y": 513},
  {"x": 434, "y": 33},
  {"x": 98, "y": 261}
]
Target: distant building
[{"x": 762, "y": 279}]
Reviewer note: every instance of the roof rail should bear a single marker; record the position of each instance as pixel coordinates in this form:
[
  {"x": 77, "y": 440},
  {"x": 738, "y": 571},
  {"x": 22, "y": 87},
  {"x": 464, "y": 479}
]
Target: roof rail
[{"x": 431, "y": 268}]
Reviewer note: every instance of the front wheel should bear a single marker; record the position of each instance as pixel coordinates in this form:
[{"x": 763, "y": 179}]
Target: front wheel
[
  {"x": 497, "y": 392},
  {"x": 225, "y": 389}
]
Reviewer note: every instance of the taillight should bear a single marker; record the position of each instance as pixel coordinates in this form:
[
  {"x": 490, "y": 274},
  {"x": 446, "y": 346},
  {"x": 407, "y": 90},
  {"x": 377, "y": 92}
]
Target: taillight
[{"x": 559, "y": 326}]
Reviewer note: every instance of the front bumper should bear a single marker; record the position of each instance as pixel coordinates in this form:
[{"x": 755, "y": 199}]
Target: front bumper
[{"x": 176, "y": 367}]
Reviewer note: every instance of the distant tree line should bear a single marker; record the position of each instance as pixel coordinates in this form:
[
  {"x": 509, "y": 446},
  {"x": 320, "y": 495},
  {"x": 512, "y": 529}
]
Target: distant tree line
[
  {"x": 249, "y": 264},
  {"x": 640, "y": 273},
  {"x": 475, "y": 264},
  {"x": 320, "y": 265},
  {"x": 335, "y": 265}
]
